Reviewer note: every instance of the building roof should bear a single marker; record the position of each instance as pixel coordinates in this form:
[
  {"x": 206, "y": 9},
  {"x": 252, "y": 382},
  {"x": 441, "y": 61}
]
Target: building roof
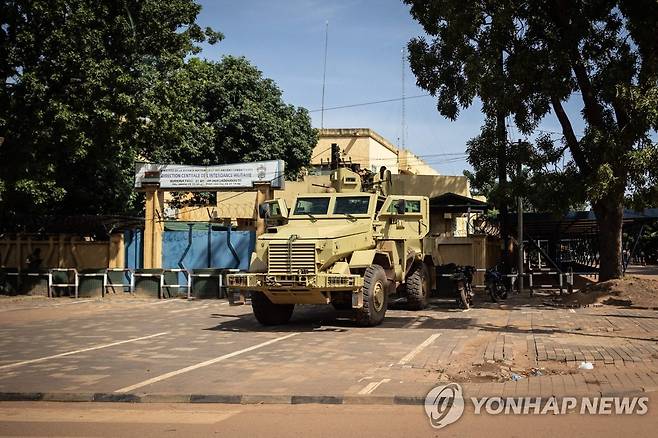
[
  {"x": 358, "y": 132},
  {"x": 574, "y": 223},
  {"x": 452, "y": 202}
]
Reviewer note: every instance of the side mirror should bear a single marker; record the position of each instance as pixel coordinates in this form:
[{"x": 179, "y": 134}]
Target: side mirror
[
  {"x": 401, "y": 206},
  {"x": 264, "y": 211}
]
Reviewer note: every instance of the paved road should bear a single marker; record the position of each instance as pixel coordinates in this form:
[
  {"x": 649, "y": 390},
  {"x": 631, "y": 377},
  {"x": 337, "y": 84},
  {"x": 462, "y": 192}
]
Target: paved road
[
  {"x": 172, "y": 420},
  {"x": 138, "y": 346}
]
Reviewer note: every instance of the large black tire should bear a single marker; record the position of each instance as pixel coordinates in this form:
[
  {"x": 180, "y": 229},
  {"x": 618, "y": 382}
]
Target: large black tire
[
  {"x": 268, "y": 313},
  {"x": 375, "y": 297},
  {"x": 418, "y": 286}
]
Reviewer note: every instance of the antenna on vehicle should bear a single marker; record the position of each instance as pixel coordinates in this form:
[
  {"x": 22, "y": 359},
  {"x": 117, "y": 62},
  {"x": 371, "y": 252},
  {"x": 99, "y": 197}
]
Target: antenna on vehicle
[
  {"x": 403, "y": 100},
  {"x": 324, "y": 71},
  {"x": 335, "y": 156}
]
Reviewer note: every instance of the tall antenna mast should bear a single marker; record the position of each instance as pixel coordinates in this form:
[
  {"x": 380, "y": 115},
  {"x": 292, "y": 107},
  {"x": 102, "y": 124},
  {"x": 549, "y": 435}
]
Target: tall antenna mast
[
  {"x": 324, "y": 71},
  {"x": 403, "y": 100}
]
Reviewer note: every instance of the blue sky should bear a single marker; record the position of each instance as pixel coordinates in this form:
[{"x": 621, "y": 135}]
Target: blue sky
[{"x": 285, "y": 40}]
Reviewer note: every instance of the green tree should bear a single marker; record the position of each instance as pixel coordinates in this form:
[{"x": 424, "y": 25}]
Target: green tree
[
  {"x": 601, "y": 52},
  {"x": 74, "y": 75},
  {"x": 225, "y": 112}
]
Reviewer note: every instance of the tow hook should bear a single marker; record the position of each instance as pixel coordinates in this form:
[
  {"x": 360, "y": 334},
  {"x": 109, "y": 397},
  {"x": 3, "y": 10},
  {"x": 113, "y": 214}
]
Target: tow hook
[{"x": 270, "y": 281}]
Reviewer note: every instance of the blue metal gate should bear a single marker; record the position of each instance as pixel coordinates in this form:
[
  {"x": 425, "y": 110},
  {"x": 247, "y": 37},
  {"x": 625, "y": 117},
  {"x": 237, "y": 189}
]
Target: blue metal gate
[{"x": 212, "y": 247}]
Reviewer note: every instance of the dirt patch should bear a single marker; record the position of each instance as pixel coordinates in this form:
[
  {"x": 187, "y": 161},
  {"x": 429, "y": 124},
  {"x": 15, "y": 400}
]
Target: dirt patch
[
  {"x": 629, "y": 291},
  {"x": 496, "y": 372},
  {"x": 11, "y": 299}
]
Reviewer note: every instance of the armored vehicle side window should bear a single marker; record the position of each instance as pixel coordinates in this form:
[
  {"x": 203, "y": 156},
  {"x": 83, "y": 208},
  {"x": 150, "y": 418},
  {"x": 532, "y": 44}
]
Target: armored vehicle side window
[
  {"x": 274, "y": 209},
  {"x": 411, "y": 206},
  {"x": 312, "y": 206},
  {"x": 352, "y": 205}
]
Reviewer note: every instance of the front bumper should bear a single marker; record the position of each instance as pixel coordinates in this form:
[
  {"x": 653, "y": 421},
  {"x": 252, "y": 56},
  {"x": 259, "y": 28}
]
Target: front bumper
[{"x": 294, "y": 282}]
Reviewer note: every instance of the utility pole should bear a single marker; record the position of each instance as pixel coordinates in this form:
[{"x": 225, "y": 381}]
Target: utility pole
[{"x": 519, "y": 218}]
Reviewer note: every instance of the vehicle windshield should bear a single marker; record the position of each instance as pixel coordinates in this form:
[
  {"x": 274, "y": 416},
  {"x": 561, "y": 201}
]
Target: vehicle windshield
[
  {"x": 352, "y": 205},
  {"x": 312, "y": 206}
]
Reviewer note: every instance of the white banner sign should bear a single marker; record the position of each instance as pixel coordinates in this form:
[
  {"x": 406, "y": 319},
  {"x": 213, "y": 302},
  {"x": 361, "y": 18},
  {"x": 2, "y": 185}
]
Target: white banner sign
[{"x": 226, "y": 176}]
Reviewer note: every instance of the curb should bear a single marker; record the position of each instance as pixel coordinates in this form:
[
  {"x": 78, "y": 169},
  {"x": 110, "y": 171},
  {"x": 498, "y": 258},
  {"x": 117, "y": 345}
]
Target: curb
[{"x": 256, "y": 399}]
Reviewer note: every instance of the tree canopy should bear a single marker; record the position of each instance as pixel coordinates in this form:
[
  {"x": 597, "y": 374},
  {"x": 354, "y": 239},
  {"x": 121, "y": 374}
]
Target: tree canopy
[
  {"x": 526, "y": 59},
  {"x": 225, "y": 112},
  {"x": 90, "y": 87}
]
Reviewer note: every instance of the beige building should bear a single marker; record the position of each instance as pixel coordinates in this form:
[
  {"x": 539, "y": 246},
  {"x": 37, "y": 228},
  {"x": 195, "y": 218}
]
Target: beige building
[
  {"x": 369, "y": 149},
  {"x": 411, "y": 175}
]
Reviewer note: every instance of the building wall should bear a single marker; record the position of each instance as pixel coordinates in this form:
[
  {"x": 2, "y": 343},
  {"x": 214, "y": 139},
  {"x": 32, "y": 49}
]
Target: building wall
[
  {"x": 412, "y": 164},
  {"x": 362, "y": 145},
  {"x": 382, "y": 156},
  {"x": 430, "y": 185},
  {"x": 236, "y": 206},
  {"x": 62, "y": 251}
]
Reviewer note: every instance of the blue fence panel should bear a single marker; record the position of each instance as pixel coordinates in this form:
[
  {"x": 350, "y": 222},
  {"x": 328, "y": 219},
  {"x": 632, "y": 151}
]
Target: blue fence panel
[
  {"x": 232, "y": 249},
  {"x": 215, "y": 247},
  {"x": 134, "y": 249}
]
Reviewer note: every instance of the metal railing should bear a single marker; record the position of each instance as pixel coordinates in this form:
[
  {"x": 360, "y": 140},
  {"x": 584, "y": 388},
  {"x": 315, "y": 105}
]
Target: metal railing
[
  {"x": 52, "y": 284},
  {"x": 187, "y": 285},
  {"x": 128, "y": 275}
]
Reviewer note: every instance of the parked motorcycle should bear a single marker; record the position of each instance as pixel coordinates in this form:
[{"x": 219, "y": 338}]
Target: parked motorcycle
[
  {"x": 495, "y": 284},
  {"x": 463, "y": 278}
]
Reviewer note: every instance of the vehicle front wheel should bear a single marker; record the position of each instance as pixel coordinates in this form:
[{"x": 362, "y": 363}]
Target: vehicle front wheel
[
  {"x": 375, "y": 297},
  {"x": 268, "y": 313}
]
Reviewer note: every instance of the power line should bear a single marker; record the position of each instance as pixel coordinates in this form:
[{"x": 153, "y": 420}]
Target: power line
[
  {"x": 374, "y": 102},
  {"x": 413, "y": 158},
  {"x": 321, "y": 152}
]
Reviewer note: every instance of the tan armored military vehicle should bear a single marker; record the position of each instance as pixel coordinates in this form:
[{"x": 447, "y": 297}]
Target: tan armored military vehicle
[{"x": 348, "y": 248}]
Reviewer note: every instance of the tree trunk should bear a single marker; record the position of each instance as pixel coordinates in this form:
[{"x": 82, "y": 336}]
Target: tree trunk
[
  {"x": 501, "y": 139},
  {"x": 609, "y": 216}
]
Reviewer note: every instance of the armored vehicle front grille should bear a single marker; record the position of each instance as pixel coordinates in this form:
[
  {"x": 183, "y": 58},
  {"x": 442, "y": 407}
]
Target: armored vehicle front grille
[{"x": 291, "y": 258}]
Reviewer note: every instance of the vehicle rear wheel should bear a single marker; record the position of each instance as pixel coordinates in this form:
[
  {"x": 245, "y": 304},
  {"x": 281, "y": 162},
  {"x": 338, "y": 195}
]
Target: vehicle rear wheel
[
  {"x": 268, "y": 313},
  {"x": 375, "y": 297},
  {"x": 418, "y": 286}
]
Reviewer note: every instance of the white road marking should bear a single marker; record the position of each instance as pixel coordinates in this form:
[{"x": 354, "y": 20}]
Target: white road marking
[
  {"x": 187, "y": 310},
  {"x": 572, "y": 311},
  {"x": 415, "y": 322},
  {"x": 69, "y": 353},
  {"x": 410, "y": 323},
  {"x": 202, "y": 364},
  {"x": 158, "y": 302},
  {"x": 370, "y": 387},
  {"x": 409, "y": 357}
]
